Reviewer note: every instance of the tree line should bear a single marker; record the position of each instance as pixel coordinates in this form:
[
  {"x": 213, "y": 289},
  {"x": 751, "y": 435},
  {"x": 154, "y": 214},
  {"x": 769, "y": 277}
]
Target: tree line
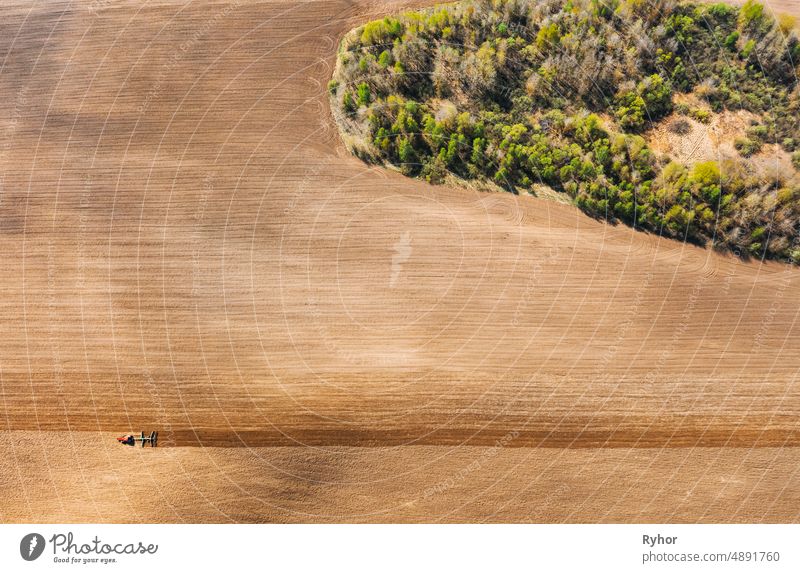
[{"x": 515, "y": 92}]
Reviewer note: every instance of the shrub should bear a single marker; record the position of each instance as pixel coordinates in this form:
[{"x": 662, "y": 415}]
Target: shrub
[
  {"x": 652, "y": 99},
  {"x": 405, "y": 151},
  {"x": 786, "y": 23},
  {"x": 381, "y": 31},
  {"x": 434, "y": 171},
  {"x": 548, "y": 36},
  {"x": 758, "y": 132},
  {"x": 657, "y": 96},
  {"x": 680, "y": 126},
  {"x": 630, "y": 111},
  {"x": 347, "y": 103},
  {"x": 731, "y": 40},
  {"x": 678, "y": 219},
  {"x": 748, "y": 48},
  {"x": 751, "y": 16},
  {"x": 527, "y": 82},
  {"x": 363, "y": 94},
  {"x": 701, "y": 115},
  {"x": 746, "y": 146}
]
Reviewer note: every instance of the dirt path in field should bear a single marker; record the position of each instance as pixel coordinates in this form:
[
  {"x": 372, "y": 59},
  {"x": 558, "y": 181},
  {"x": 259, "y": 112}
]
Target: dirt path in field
[{"x": 187, "y": 247}]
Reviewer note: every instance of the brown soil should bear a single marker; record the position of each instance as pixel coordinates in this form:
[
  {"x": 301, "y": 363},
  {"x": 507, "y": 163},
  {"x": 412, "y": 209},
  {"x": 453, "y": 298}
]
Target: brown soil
[
  {"x": 107, "y": 483},
  {"x": 188, "y": 247}
]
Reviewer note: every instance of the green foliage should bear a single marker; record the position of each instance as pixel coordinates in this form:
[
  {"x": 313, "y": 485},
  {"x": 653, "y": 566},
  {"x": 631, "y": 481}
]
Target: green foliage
[
  {"x": 731, "y": 39},
  {"x": 748, "y": 48},
  {"x": 630, "y": 111},
  {"x": 720, "y": 11},
  {"x": 657, "y": 96},
  {"x": 405, "y": 151},
  {"x": 682, "y": 28},
  {"x": 701, "y": 115},
  {"x": 363, "y": 94},
  {"x": 678, "y": 219},
  {"x": 381, "y": 31},
  {"x": 651, "y": 100},
  {"x": 746, "y": 146},
  {"x": 548, "y": 36},
  {"x": 347, "y": 102},
  {"x": 513, "y": 92},
  {"x": 706, "y": 180},
  {"x": 751, "y": 14}
]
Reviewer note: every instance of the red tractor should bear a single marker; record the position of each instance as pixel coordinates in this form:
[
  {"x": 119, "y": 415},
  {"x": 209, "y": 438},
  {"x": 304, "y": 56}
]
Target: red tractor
[{"x": 130, "y": 439}]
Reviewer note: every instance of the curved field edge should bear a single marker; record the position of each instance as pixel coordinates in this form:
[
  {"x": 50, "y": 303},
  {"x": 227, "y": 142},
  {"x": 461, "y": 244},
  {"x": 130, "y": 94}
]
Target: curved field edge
[
  {"x": 145, "y": 305},
  {"x": 499, "y": 98}
]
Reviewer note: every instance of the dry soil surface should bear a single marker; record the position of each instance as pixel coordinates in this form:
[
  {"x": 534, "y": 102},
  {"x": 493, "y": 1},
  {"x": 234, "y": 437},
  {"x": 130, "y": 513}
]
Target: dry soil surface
[{"x": 187, "y": 247}]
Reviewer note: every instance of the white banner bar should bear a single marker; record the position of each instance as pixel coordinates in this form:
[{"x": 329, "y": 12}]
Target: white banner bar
[{"x": 401, "y": 548}]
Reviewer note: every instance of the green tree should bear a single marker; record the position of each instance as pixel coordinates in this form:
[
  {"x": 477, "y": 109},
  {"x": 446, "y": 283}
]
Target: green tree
[
  {"x": 405, "y": 150},
  {"x": 347, "y": 103},
  {"x": 381, "y": 31},
  {"x": 630, "y": 111},
  {"x": 657, "y": 96},
  {"x": 363, "y": 94}
]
